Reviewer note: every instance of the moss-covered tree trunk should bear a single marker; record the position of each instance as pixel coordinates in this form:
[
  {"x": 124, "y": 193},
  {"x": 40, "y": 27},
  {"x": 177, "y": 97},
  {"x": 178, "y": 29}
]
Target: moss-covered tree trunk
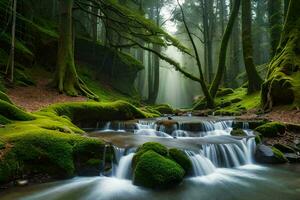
[
  {"x": 223, "y": 50},
  {"x": 278, "y": 89},
  {"x": 275, "y": 23},
  {"x": 254, "y": 80},
  {"x": 66, "y": 77}
]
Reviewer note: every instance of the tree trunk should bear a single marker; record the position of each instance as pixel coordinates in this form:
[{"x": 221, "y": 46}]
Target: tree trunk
[
  {"x": 209, "y": 100},
  {"x": 254, "y": 80},
  {"x": 223, "y": 50},
  {"x": 278, "y": 89},
  {"x": 66, "y": 77},
  {"x": 275, "y": 23}
]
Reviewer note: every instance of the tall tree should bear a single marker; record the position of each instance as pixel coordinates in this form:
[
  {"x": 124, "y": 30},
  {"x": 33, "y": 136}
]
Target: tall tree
[
  {"x": 223, "y": 49},
  {"x": 254, "y": 80},
  {"x": 275, "y": 23},
  {"x": 208, "y": 97},
  {"x": 66, "y": 77}
]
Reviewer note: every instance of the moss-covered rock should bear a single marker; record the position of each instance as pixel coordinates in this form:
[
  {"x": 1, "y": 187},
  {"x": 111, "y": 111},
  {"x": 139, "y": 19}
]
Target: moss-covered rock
[
  {"x": 224, "y": 91},
  {"x": 271, "y": 129},
  {"x": 238, "y": 132},
  {"x": 236, "y": 100},
  {"x": 164, "y": 109},
  {"x": 181, "y": 158},
  {"x": 269, "y": 155},
  {"x": 284, "y": 148},
  {"x": 87, "y": 112},
  {"x": 154, "y": 146},
  {"x": 156, "y": 171}
]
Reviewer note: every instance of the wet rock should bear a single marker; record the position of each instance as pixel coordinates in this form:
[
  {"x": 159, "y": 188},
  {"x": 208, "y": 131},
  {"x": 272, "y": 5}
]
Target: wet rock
[
  {"x": 284, "y": 148},
  {"x": 167, "y": 126},
  {"x": 238, "y": 132},
  {"x": 293, "y": 157},
  {"x": 267, "y": 155},
  {"x": 271, "y": 129},
  {"x": 21, "y": 182}
]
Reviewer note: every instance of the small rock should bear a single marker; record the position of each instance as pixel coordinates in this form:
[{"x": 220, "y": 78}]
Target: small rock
[
  {"x": 268, "y": 155},
  {"x": 21, "y": 182}
]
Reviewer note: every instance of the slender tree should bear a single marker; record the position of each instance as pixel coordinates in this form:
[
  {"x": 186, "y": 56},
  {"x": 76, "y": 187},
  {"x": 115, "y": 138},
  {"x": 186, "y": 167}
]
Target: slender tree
[
  {"x": 254, "y": 80},
  {"x": 223, "y": 49},
  {"x": 209, "y": 99}
]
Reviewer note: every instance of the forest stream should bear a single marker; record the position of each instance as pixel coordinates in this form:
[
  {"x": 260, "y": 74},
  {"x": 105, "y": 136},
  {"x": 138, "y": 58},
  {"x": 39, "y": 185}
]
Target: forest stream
[{"x": 221, "y": 164}]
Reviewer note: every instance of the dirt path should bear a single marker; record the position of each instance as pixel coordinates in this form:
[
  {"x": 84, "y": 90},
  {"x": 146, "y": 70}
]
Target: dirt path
[{"x": 33, "y": 98}]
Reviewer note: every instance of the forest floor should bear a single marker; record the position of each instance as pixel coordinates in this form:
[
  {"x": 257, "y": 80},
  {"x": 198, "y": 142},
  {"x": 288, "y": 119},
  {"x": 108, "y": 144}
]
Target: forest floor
[
  {"x": 282, "y": 114},
  {"x": 33, "y": 98}
]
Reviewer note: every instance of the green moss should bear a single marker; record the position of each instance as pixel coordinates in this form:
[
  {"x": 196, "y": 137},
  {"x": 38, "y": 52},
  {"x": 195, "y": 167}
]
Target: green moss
[
  {"x": 279, "y": 155},
  {"x": 156, "y": 171},
  {"x": 224, "y": 91},
  {"x": 11, "y": 112},
  {"x": 271, "y": 129},
  {"x": 181, "y": 158},
  {"x": 238, "y": 132},
  {"x": 233, "y": 104},
  {"x": 258, "y": 139},
  {"x": 94, "y": 111},
  {"x": 154, "y": 146},
  {"x": 4, "y": 97},
  {"x": 164, "y": 109}
]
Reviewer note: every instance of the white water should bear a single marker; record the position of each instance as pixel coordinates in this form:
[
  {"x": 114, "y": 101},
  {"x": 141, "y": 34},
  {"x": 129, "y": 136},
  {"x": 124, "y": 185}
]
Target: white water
[{"x": 207, "y": 159}]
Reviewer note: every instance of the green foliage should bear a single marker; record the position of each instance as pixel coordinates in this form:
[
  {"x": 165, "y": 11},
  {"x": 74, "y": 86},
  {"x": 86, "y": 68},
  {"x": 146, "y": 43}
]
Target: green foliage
[
  {"x": 156, "y": 171},
  {"x": 181, "y": 158},
  {"x": 271, "y": 129}
]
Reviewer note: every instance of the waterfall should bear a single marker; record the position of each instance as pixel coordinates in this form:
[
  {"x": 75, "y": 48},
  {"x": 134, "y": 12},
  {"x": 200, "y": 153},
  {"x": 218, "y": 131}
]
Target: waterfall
[
  {"x": 121, "y": 167},
  {"x": 201, "y": 165},
  {"x": 211, "y": 155}
]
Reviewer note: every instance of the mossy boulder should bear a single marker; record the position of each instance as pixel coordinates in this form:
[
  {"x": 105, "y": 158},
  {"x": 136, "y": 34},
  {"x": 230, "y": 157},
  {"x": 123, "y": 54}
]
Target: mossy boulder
[
  {"x": 269, "y": 155},
  {"x": 156, "y": 171},
  {"x": 154, "y": 146},
  {"x": 157, "y": 167},
  {"x": 181, "y": 158},
  {"x": 224, "y": 91},
  {"x": 271, "y": 129},
  {"x": 51, "y": 153},
  {"x": 238, "y": 132}
]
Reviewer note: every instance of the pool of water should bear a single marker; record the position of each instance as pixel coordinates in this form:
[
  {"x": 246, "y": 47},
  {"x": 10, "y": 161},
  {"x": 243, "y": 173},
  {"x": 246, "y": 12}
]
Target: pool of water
[{"x": 248, "y": 182}]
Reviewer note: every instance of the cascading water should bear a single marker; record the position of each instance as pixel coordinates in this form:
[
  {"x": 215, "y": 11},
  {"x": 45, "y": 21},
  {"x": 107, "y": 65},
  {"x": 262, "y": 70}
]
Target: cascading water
[
  {"x": 209, "y": 156},
  {"x": 122, "y": 165}
]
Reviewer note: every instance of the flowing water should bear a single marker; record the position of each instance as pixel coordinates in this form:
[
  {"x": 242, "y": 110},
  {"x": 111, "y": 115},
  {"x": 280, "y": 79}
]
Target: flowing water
[{"x": 223, "y": 166}]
